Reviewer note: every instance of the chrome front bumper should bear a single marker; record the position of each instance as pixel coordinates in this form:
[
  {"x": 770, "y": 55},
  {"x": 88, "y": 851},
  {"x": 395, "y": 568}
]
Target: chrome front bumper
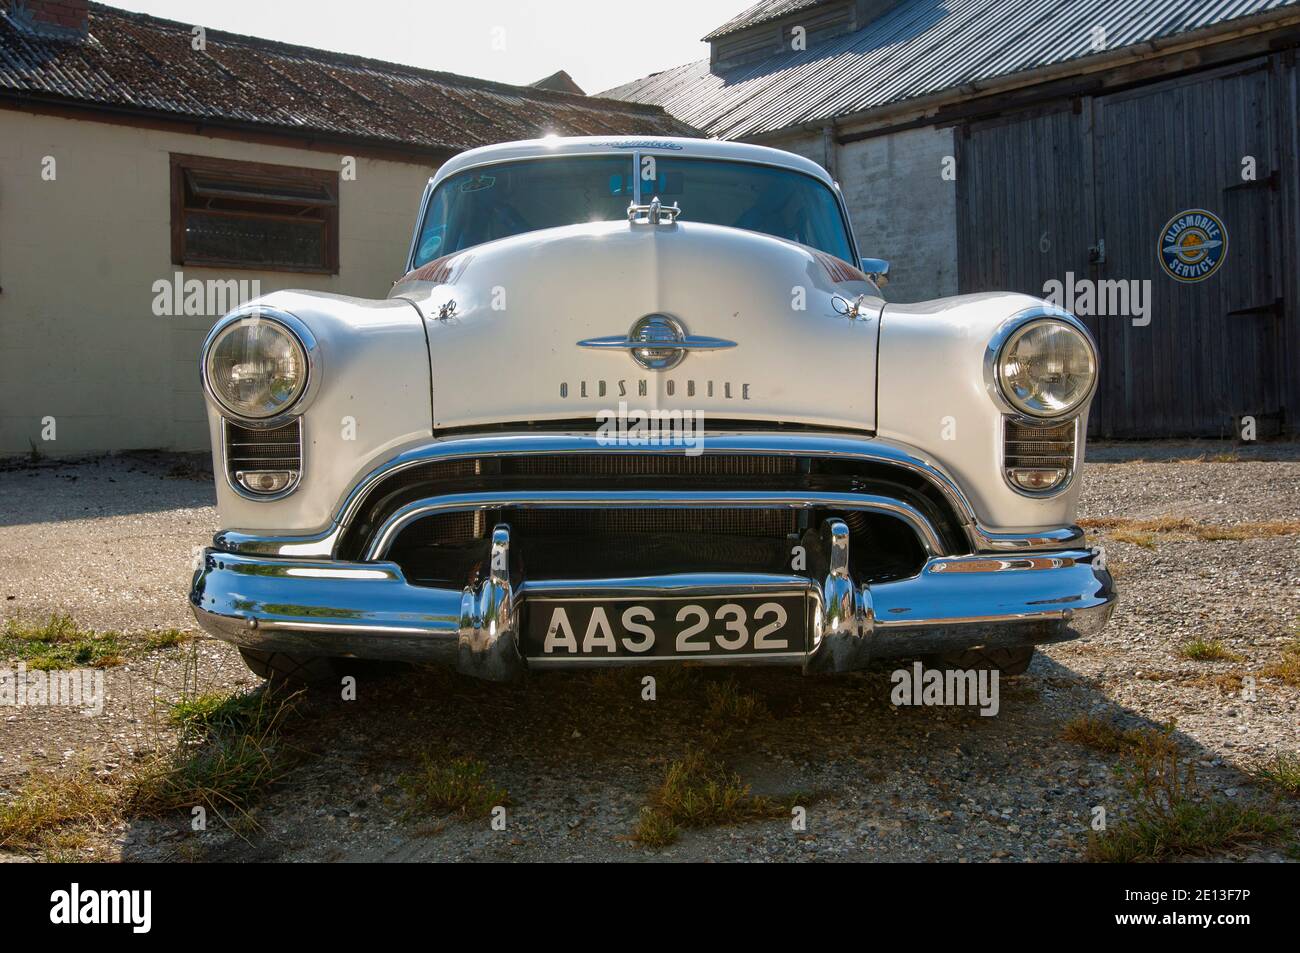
[{"x": 368, "y": 609}]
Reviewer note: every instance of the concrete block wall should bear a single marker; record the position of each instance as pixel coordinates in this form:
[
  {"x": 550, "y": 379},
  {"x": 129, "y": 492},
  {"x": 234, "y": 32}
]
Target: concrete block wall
[{"x": 902, "y": 208}]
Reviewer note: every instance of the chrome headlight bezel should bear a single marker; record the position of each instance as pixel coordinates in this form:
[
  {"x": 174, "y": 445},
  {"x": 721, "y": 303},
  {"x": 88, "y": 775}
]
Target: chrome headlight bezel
[
  {"x": 1012, "y": 330},
  {"x": 297, "y": 332}
]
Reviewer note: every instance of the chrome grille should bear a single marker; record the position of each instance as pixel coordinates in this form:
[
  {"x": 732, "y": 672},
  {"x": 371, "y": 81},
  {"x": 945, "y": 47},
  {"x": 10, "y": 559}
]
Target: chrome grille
[
  {"x": 279, "y": 448},
  {"x": 606, "y": 523},
  {"x": 639, "y": 464},
  {"x": 632, "y": 471},
  {"x": 1036, "y": 445}
]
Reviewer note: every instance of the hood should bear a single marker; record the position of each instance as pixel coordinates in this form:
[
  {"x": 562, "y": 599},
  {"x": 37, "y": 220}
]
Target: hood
[{"x": 506, "y": 321}]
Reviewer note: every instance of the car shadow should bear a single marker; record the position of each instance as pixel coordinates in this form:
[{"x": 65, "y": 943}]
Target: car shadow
[{"x": 580, "y": 754}]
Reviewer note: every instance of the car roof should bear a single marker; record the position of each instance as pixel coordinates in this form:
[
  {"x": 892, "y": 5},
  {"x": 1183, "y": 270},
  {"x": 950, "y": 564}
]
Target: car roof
[{"x": 612, "y": 145}]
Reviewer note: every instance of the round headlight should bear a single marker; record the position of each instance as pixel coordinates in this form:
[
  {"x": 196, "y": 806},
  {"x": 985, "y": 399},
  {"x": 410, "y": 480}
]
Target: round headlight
[
  {"x": 256, "y": 368},
  {"x": 1046, "y": 368}
]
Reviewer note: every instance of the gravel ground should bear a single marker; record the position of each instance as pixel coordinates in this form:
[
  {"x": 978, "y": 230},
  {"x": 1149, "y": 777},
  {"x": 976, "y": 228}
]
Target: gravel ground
[{"x": 110, "y": 542}]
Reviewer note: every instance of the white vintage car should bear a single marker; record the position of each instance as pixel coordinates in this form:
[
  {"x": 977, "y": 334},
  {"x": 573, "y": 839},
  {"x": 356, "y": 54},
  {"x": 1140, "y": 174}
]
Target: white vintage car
[{"x": 639, "y": 401}]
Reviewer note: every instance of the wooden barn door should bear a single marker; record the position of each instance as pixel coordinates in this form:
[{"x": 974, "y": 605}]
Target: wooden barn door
[
  {"x": 1086, "y": 191},
  {"x": 1212, "y": 351}
]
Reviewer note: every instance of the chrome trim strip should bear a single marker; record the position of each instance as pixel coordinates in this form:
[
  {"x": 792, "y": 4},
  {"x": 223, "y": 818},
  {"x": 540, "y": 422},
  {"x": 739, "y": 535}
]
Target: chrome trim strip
[
  {"x": 324, "y": 542},
  {"x": 717, "y": 585},
  {"x": 691, "y": 342},
  {"x": 640, "y": 499}
]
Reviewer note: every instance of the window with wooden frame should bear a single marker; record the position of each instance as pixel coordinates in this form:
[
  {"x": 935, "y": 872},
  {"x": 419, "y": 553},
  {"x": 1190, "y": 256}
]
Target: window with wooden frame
[{"x": 252, "y": 215}]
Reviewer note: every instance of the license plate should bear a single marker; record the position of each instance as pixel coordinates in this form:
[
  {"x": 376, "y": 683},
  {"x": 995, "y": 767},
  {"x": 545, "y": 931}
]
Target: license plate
[{"x": 666, "y": 628}]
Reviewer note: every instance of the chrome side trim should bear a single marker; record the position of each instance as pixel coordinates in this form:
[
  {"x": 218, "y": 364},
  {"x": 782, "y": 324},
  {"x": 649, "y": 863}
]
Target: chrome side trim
[
  {"x": 639, "y": 499},
  {"x": 324, "y": 542},
  {"x": 1063, "y": 537}
]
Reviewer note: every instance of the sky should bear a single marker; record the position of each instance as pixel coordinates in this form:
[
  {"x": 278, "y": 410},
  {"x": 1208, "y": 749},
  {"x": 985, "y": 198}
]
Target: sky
[{"x": 601, "y": 44}]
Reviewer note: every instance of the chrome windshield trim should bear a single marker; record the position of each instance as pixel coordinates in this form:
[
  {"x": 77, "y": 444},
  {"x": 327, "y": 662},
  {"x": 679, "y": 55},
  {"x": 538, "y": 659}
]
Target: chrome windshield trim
[{"x": 641, "y": 499}]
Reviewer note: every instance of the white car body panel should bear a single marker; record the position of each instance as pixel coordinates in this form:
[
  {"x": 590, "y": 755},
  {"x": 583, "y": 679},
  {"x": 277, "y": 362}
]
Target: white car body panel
[
  {"x": 374, "y": 369},
  {"x": 510, "y": 351},
  {"x": 933, "y": 396}
]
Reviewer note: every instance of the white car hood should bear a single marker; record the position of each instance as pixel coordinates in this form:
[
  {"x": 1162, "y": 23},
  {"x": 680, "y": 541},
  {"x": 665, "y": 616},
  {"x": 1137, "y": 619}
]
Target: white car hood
[{"x": 504, "y": 320}]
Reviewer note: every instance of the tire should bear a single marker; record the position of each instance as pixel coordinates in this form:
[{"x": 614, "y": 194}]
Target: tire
[
  {"x": 280, "y": 668},
  {"x": 1013, "y": 661}
]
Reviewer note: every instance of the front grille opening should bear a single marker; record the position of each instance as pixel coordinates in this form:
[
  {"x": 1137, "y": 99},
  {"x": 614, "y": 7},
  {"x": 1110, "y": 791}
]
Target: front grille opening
[
  {"x": 451, "y": 550},
  {"x": 1047, "y": 447},
  {"x": 273, "y": 450},
  {"x": 637, "y": 471}
]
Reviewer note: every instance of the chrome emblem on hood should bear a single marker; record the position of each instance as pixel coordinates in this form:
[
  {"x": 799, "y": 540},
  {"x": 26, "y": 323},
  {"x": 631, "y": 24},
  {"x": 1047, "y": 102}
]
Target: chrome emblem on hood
[{"x": 658, "y": 342}]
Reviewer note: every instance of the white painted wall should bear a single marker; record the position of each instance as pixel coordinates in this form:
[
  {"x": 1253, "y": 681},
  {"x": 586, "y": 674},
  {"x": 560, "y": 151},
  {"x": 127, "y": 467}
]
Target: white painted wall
[{"x": 78, "y": 259}]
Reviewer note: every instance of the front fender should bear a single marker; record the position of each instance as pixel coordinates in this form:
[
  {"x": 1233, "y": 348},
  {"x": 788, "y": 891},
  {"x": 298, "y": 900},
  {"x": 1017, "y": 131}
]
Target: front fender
[
  {"x": 933, "y": 396},
  {"x": 373, "y": 398}
]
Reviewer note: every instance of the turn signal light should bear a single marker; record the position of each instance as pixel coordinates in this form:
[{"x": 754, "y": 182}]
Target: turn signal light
[
  {"x": 265, "y": 481},
  {"x": 1036, "y": 478}
]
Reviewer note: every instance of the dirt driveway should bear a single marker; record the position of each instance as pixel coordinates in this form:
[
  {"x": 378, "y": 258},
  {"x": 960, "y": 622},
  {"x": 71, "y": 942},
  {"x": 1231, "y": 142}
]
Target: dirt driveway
[{"x": 1205, "y": 552}]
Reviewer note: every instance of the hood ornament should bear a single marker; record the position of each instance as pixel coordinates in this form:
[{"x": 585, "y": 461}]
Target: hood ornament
[
  {"x": 656, "y": 213},
  {"x": 657, "y": 342}
]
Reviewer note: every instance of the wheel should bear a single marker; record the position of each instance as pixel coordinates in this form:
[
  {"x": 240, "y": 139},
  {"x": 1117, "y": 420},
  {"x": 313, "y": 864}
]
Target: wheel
[
  {"x": 1011, "y": 661},
  {"x": 280, "y": 668}
]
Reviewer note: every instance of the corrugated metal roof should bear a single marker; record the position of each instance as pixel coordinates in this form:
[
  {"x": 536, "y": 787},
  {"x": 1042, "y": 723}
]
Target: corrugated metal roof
[
  {"x": 145, "y": 64},
  {"x": 762, "y": 12},
  {"x": 917, "y": 48}
]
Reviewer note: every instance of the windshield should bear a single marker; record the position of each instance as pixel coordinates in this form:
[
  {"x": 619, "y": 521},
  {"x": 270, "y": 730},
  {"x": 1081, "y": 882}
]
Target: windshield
[{"x": 497, "y": 201}]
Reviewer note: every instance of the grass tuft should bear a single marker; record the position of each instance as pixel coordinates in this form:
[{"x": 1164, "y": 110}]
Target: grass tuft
[
  {"x": 1171, "y": 819},
  {"x": 1281, "y": 773},
  {"x": 1287, "y": 669},
  {"x": 1143, "y": 531},
  {"x": 457, "y": 786},
  {"x": 228, "y": 753},
  {"x": 59, "y": 643},
  {"x": 655, "y": 829},
  {"x": 699, "y": 791},
  {"x": 1137, "y": 538},
  {"x": 729, "y": 707},
  {"x": 50, "y": 807},
  {"x": 1207, "y": 650},
  {"x": 1107, "y": 737},
  {"x": 167, "y": 638}
]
